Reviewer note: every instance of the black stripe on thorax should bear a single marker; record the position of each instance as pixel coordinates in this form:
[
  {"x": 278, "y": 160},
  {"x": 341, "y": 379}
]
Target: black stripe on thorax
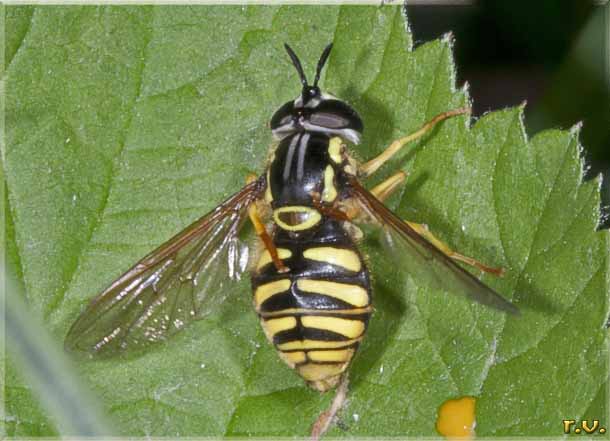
[{"x": 298, "y": 168}]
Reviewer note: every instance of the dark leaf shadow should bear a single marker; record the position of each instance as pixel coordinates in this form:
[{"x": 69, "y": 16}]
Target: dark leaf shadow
[
  {"x": 390, "y": 308},
  {"x": 529, "y": 296}
]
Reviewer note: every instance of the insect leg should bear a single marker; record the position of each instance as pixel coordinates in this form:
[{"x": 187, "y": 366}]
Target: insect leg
[
  {"x": 370, "y": 167},
  {"x": 261, "y": 232},
  {"x": 423, "y": 230},
  {"x": 328, "y": 210},
  {"x": 381, "y": 191}
]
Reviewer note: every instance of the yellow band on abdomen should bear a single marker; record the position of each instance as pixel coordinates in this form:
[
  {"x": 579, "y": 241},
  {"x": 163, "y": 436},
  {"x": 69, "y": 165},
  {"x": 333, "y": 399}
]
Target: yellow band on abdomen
[
  {"x": 346, "y": 258},
  {"x": 317, "y": 372},
  {"x": 283, "y": 253},
  {"x": 347, "y": 327},
  {"x": 315, "y": 344},
  {"x": 337, "y": 356},
  {"x": 274, "y": 326},
  {"x": 353, "y": 294},
  {"x": 263, "y": 292}
]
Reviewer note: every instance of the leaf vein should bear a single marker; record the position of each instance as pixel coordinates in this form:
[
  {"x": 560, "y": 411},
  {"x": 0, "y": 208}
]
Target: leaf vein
[
  {"x": 23, "y": 38},
  {"x": 59, "y": 297}
]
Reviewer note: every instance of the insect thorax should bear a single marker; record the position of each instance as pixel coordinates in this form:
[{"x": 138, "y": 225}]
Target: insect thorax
[{"x": 308, "y": 162}]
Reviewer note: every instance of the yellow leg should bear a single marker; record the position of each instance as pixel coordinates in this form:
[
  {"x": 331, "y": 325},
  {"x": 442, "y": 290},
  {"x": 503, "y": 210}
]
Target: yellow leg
[
  {"x": 387, "y": 187},
  {"x": 423, "y": 230},
  {"x": 371, "y": 166},
  {"x": 261, "y": 232},
  {"x": 381, "y": 191}
]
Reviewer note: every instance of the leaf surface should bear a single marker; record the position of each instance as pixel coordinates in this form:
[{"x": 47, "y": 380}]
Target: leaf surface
[{"x": 126, "y": 123}]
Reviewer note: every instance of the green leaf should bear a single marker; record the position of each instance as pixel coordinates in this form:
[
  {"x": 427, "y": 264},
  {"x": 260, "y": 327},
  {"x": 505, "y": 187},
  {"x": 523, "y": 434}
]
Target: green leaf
[{"x": 126, "y": 123}]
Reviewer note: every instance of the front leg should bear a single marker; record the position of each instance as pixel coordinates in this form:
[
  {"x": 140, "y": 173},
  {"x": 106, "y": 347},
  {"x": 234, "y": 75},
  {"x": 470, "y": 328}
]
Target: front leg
[
  {"x": 370, "y": 167},
  {"x": 262, "y": 233}
]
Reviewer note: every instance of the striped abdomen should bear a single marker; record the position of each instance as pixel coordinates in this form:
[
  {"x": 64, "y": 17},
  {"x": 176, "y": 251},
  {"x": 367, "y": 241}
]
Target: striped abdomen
[{"x": 316, "y": 313}]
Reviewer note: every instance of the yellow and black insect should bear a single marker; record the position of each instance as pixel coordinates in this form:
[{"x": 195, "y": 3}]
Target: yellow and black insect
[{"x": 312, "y": 289}]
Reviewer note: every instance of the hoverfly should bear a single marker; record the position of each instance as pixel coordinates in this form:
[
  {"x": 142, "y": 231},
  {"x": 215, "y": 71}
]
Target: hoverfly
[{"x": 311, "y": 287}]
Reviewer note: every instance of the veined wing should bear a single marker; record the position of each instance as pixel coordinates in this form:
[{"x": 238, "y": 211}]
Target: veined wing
[
  {"x": 175, "y": 284},
  {"x": 425, "y": 258}
]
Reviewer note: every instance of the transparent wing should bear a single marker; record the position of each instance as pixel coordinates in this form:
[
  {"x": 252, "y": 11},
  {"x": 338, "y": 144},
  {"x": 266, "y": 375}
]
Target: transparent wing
[
  {"x": 175, "y": 284},
  {"x": 423, "y": 258}
]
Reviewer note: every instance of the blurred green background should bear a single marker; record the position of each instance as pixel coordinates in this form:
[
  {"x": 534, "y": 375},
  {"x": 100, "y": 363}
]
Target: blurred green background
[{"x": 554, "y": 55}]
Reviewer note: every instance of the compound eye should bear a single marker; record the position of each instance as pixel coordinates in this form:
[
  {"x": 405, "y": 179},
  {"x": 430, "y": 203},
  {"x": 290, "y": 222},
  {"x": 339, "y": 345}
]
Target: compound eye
[
  {"x": 283, "y": 116},
  {"x": 329, "y": 120}
]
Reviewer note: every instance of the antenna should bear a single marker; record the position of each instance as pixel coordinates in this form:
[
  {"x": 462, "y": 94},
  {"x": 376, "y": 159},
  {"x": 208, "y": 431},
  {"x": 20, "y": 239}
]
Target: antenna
[
  {"x": 297, "y": 64},
  {"x": 321, "y": 63}
]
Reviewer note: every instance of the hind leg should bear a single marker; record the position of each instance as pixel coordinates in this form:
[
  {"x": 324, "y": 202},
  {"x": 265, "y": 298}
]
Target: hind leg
[
  {"x": 386, "y": 188},
  {"x": 422, "y": 230}
]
